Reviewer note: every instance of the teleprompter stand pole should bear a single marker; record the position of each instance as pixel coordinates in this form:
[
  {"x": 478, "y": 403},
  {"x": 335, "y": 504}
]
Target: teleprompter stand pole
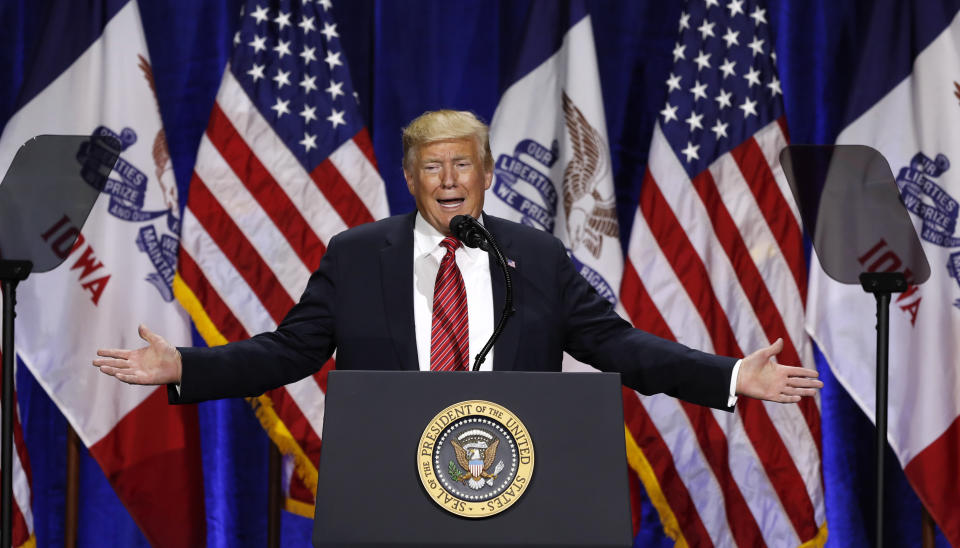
[
  {"x": 882, "y": 285},
  {"x": 11, "y": 274}
]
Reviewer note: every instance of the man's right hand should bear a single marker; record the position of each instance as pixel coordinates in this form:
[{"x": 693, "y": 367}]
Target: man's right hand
[{"x": 158, "y": 363}]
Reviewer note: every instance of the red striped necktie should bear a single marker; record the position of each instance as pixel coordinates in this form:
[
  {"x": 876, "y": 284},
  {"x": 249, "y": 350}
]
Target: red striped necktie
[{"x": 450, "y": 335}]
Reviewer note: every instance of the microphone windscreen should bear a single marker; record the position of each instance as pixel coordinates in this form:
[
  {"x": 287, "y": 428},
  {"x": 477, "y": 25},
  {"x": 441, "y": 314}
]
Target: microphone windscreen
[
  {"x": 466, "y": 229},
  {"x": 458, "y": 225}
]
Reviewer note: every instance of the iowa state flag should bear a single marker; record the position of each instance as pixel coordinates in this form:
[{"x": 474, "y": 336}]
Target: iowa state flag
[
  {"x": 916, "y": 125},
  {"x": 93, "y": 75}
]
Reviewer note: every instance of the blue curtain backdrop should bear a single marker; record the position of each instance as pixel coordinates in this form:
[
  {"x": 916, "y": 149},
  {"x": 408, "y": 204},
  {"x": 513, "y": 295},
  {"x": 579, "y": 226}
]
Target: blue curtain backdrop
[{"x": 836, "y": 58}]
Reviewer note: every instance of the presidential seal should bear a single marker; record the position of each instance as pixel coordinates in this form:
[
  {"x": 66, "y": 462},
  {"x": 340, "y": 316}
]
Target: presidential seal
[{"x": 475, "y": 458}]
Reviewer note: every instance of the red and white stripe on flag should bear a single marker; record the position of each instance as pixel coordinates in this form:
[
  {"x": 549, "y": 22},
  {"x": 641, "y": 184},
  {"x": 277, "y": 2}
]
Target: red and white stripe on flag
[
  {"x": 715, "y": 261},
  {"x": 284, "y": 165},
  {"x": 22, "y": 533}
]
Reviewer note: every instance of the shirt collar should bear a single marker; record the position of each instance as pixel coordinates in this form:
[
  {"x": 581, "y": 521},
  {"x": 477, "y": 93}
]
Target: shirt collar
[{"x": 426, "y": 240}]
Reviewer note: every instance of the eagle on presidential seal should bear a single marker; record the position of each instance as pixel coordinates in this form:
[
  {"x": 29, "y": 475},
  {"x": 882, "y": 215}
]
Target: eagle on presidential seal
[{"x": 476, "y": 450}]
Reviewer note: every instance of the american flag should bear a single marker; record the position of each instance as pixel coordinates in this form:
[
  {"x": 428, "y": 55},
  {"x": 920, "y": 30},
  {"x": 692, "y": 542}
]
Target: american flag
[
  {"x": 716, "y": 261},
  {"x": 22, "y": 482},
  {"x": 285, "y": 164}
]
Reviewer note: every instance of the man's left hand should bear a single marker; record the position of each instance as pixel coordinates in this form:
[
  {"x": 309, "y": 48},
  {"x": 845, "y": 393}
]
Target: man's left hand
[{"x": 763, "y": 378}]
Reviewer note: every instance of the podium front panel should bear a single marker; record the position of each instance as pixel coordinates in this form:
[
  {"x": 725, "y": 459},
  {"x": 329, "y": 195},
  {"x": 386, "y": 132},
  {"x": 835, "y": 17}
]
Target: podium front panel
[{"x": 370, "y": 494}]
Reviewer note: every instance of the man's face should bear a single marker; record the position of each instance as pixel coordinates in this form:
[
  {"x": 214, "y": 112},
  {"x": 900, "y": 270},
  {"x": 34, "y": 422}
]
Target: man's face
[{"x": 447, "y": 179}]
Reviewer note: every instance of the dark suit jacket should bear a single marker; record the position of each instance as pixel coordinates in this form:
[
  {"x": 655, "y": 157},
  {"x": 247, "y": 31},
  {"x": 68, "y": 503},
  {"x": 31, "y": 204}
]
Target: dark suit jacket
[{"x": 359, "y": 302}]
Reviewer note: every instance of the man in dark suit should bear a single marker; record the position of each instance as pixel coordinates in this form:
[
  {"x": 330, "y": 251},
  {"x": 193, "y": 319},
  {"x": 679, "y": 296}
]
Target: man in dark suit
[{"x": 373, "y": 301}]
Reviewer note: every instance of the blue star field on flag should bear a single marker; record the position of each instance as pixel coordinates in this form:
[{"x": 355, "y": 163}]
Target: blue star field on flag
[
  {"x": 723, "y": 87},
  {"x": 288, "y": 58}
]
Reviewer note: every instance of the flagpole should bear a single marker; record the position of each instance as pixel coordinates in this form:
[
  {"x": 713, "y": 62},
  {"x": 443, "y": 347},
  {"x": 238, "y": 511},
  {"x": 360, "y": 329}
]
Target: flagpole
[
  {"x": 11, "y": 274},
  {"x": 72, "y": 504},
  {"x": 274, "y": 496},
  {"x": 927, "y": 529}
]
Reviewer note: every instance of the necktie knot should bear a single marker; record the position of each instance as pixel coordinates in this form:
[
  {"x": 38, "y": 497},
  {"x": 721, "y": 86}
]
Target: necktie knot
[{"x": 450, "y": 244}]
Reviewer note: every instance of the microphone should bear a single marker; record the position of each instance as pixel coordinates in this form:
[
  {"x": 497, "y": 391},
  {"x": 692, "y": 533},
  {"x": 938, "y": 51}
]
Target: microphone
[
  {"x": 469, "y": 231},
  {"x": 473, "y": 234}
]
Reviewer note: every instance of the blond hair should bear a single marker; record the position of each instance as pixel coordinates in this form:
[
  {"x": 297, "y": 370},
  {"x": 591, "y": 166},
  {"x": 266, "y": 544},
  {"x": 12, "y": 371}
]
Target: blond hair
[{"x": 442, "y": 125}]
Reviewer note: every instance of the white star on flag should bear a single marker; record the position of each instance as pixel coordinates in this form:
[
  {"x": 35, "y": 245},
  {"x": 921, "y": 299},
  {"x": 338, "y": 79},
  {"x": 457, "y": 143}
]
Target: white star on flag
[
  {"x": 735, "y": 7},
  {"x": 669, "y": 113},
  {"x": 309, "y": 141},
  {"x": 774, "y": 86},
  {"x": 259, "y": 43},
  {"x": 691, "y": 151},
  {"x": 730, "y": 37},
  {"x": 336, "y": 118},
  {"x": 306, "y": 23},
  {"x": 329, "y": 31},
  {"x": 706, "y": 29},
  {"x": 694, "y": 121},
  {"x": 727, "y": 68},
  {"x": 281, "y": 107},
  {"x": 308, "y": 54},
  {"x": 282, "y": 48},
  {"x": 719, "y": 129},
  {"x": 702, "y": 60},
  {"x": 308, "y": 113},
  {"x": 308, "y": 83},
  {"x": 723, "y": 99},
  {"x": 261, "y": 14},
  {"x": 699, "y": 90},
  {"x": 282, "y": 78},
  {"x": 759, "y": 16},
  {"x": 332, "y": 59},
  {"x": 256, "y": 72},
  {"x": 283, "y": 19},
  {"x": 334, "y": 89},
  {"x": 678, "y": 52},
  {"x": 673, "y": 82}
]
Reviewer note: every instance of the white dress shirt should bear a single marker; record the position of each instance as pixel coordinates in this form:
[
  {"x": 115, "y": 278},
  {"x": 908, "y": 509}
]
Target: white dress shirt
[{"x": 474, "y": 265}]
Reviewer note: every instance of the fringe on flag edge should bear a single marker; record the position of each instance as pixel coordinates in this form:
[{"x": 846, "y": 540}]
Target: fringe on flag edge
[
  {"x": 639, "y": 463},
  {"x": 671, "y": 527},
  {"x": 262, "y": 405},
  {"x": 300, "y": 508}
]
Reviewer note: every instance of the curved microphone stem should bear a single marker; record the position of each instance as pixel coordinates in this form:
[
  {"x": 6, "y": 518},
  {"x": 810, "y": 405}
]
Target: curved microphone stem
[{"x": 507, "y": 301}]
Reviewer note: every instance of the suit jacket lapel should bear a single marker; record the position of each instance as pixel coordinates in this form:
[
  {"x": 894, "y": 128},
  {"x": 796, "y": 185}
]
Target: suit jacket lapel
[
  {"x": 505, "y": 349},
  {"x": 396, "y": 276}
]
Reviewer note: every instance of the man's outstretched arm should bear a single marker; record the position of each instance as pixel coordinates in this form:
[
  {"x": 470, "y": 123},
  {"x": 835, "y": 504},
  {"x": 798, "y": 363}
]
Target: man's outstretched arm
[{"x": 157, "y": 363}]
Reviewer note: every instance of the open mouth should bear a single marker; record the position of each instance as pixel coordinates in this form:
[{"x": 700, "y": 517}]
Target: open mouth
[{"x": 450, "y": 203}]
